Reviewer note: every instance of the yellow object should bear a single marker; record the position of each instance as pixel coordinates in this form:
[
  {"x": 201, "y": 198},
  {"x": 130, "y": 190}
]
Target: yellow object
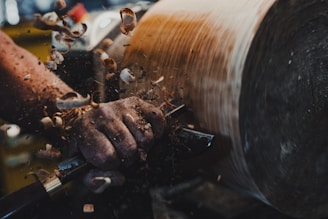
[
  {"x": 17, "y": 159},
  {"x": 38, "y": 42}
]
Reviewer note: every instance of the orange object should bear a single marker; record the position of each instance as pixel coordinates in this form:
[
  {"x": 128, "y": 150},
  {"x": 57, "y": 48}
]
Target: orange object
[{"x": 78, "y": 13}]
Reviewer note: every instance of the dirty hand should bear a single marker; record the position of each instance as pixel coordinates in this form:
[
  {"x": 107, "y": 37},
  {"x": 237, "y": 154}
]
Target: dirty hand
[{"x": 114, "y": 133}]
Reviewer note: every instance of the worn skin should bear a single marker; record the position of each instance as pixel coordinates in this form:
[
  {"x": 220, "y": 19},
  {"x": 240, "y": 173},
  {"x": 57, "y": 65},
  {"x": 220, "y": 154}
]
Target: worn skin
[
  {"x": 117, "y": 130},
  {"x": 107, "y": 136}
]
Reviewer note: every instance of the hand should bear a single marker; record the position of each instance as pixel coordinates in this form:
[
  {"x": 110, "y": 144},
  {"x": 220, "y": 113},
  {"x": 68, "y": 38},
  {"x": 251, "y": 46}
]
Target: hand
[{"x": 112, "y": 134}]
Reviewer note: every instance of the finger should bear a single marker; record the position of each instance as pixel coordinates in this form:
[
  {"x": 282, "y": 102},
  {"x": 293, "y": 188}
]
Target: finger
[
  {"x": 139, "y": 128},
  {"x": 98, "y": 150},
  {"x": 122, "y": 140},
  {"x": 154, "y": 116}
]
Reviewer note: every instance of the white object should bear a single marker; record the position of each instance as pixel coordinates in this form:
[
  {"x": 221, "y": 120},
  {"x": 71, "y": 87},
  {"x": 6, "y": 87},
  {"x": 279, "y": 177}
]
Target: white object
[{"x": 127, "y": 76}]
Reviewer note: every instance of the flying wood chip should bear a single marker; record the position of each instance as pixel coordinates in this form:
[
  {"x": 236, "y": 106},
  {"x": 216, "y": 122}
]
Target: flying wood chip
[{"x": 129, "y": 21}]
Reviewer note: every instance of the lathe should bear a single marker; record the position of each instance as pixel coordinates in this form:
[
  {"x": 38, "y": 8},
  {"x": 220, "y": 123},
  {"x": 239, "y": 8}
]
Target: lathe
[{"x": 254, "y": 71}]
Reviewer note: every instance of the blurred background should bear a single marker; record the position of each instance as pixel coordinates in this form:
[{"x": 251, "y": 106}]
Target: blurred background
[{"x": 16, "y": 20}]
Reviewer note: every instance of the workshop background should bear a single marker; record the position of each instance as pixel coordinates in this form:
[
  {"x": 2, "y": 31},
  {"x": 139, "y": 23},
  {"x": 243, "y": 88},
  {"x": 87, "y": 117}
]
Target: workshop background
[{"x": 148, "y": 193}]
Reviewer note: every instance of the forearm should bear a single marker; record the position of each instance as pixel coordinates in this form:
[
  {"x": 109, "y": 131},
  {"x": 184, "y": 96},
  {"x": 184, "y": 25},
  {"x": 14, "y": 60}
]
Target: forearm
[{"x": 27, "y": 88}]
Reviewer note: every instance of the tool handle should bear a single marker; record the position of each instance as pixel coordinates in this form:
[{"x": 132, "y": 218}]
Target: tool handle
[{"x": 24, "y": 202}]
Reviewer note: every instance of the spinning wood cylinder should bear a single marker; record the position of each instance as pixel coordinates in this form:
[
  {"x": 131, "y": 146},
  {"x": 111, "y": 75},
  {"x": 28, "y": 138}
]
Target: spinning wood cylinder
[{"x": 255, "y": 71}]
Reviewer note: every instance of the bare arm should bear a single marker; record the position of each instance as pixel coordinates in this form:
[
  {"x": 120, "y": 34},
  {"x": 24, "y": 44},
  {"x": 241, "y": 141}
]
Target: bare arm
[
  {"x": 107, "y": 135},
  {"x": 27, "y": 87}
]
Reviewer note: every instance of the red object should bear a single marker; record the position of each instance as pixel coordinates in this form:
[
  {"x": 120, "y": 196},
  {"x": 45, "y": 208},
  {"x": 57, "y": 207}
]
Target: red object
[{"x": 78, "y": 12}]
